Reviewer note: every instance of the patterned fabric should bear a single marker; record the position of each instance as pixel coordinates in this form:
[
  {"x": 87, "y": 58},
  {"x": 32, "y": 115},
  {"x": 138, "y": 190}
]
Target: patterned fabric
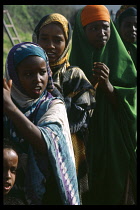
[
  {"x": 112, "y": 142},
  {"x": 79, "y": 98},
  {"x": 55, "y": 17},
  {"x": 49, "y": 115}
]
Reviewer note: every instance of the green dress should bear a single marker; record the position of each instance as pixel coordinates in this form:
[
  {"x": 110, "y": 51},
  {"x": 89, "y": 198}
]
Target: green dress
[{"x": 112, "y": 138}]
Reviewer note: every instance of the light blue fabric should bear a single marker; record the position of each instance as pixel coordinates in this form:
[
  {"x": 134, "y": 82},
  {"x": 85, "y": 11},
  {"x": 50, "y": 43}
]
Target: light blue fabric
[
  {"x": 63, "y": 167},
  {"x": 59, "y": 154}
]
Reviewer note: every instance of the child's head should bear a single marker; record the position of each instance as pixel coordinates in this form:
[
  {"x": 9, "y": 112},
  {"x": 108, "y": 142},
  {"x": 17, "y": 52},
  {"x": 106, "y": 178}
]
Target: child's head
[
  {"x": 128, "y": 25},
  {"x": 10, "y": 163},
  {"x": 28, "y": 67},
  {"x": 53, "y": 34}
]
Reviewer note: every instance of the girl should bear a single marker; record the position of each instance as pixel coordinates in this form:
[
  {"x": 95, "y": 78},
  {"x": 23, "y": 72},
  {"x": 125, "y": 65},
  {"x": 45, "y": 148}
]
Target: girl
[
  {"x": 37, "y": 123},
  {"x": 98, "y": 49},
  {"x": 53, "y": 33}
]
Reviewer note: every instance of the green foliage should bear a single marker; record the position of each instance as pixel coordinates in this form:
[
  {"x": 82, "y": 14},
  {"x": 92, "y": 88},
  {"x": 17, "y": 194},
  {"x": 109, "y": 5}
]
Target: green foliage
[{"x": 26, "y": 17}]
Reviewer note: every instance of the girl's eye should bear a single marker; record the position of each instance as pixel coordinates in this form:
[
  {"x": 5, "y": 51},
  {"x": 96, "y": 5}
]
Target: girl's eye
[
  {"x": 43, "y": 72},
  {"x": 93, "y": 28},
  {"x": 106, "y": 27},
  {"x": 58, "y": 40},
  {"x": 13, "y": 170},
  {"x": 28, "y": 74}
]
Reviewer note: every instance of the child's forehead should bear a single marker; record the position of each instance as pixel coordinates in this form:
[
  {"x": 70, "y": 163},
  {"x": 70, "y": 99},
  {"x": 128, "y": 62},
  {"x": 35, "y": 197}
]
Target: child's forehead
[
  {"x": 31, "y": 62},
  {"x": 9, "y": 152}
]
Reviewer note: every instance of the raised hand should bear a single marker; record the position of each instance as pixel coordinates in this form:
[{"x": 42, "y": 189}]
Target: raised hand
[
  {"x": 101, "y": 74},
  {"x": 7, "y": 101}
]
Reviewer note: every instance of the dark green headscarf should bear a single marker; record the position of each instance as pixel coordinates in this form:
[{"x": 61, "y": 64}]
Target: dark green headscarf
[
  {"x": 112, "y": 141},
  {"x": 131, "y": 47}
]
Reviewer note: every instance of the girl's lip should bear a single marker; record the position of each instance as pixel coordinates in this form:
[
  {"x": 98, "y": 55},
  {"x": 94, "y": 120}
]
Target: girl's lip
[
  {"x": 37, "y": 91},
  {"x": 51, "y": 55},
  {"x": 7, "y": 186}
]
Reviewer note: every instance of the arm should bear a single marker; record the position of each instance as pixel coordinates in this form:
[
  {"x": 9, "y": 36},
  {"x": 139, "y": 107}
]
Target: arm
[
  {"x": 24, "y": 126},
  {"x": 101, "y": 79}
]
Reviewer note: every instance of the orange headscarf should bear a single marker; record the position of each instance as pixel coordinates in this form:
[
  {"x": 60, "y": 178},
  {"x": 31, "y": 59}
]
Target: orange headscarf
[{"x": 92, "y": 13}]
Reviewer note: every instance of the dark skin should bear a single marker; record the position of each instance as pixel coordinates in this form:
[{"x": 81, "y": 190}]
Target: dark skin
[
  {"x": 10, "y": 163},
  {"x": 98, "y": 34},
  {"x": 52, "y": 40},
  {"x": 128, "y": 29},
  {"x": 32, "y": 73}
]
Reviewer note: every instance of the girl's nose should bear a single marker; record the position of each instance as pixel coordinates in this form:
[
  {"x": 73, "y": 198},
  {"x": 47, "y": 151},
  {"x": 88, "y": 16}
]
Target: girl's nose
[
  {"x": 37, "y": 78},
  {"x": 7, "y": 174},
  {"x": 50, "y": 44}
]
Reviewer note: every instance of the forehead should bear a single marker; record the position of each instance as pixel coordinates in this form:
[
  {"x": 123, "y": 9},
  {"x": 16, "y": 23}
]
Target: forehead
[
  {"x": 98, "y": 23},
  {"x": 31, "y": 61},
  {"x": 54, "y": 26},
  {"x": 9, "y": 153}
]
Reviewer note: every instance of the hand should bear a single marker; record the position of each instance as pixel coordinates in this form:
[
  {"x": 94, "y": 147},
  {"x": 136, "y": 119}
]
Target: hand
[
  {"x": 7, "y": 101},
  {"x": 7, "y": 85},
  {"x": 101, "y": 74}
]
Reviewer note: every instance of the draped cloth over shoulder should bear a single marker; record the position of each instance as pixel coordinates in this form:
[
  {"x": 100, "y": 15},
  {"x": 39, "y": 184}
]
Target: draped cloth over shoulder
[
  {"x": 112, "y": 140},
  {"x": 49, "y": 115},
  {"x": 78, "y": 94},
  {"x": 131, "y": 47}
]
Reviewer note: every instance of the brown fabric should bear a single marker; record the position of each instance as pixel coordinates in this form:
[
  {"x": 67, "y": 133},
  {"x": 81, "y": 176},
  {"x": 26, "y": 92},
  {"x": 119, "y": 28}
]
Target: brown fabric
[
  {"x": 92, "y": 13},
  {"x": 81, "y": 168},
  {"x": 79, "y": 150}
]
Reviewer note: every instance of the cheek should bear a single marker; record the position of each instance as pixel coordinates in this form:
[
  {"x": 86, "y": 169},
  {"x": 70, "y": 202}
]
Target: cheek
[
  {"x": 62, "y": 47},
  {"x": 45, "y": 80},
  {"x": 13, "y": 178},
  {"x": 24, "y": 83},
  {"x": 108, "y": 35},
  {"x": 41, "y": 43}
]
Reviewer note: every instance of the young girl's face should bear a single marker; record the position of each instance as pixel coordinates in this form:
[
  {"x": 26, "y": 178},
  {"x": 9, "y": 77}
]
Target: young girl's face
[
  {"x": 52, "y": 40},
  {"x": 10, "y": 163},
  {"x": 98, "y": 33},
  {"x": 128, "y": 29},
  {"x": 33, "y": 75}
]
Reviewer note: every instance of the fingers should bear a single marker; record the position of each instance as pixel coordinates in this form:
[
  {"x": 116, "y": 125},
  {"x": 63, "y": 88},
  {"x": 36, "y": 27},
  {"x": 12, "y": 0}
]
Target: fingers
[
  {"x": 101, "y": 69},
  {"x": 10, "y": 83},
  {"x": 7, "y": 85},
  {"x": 101, "y": 66}
]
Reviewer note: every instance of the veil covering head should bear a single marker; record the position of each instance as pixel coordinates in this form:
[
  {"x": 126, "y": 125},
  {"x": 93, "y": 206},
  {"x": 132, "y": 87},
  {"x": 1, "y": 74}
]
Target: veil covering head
[
  {"x": 108, "y": 128},
  {"x": 17, "y": 54},
  {"x": 99, "y": 12},
  {"x": 131, "y": 11},
  {"x": 130, "y": 46},
  {"x": 56, "y": 18}
]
